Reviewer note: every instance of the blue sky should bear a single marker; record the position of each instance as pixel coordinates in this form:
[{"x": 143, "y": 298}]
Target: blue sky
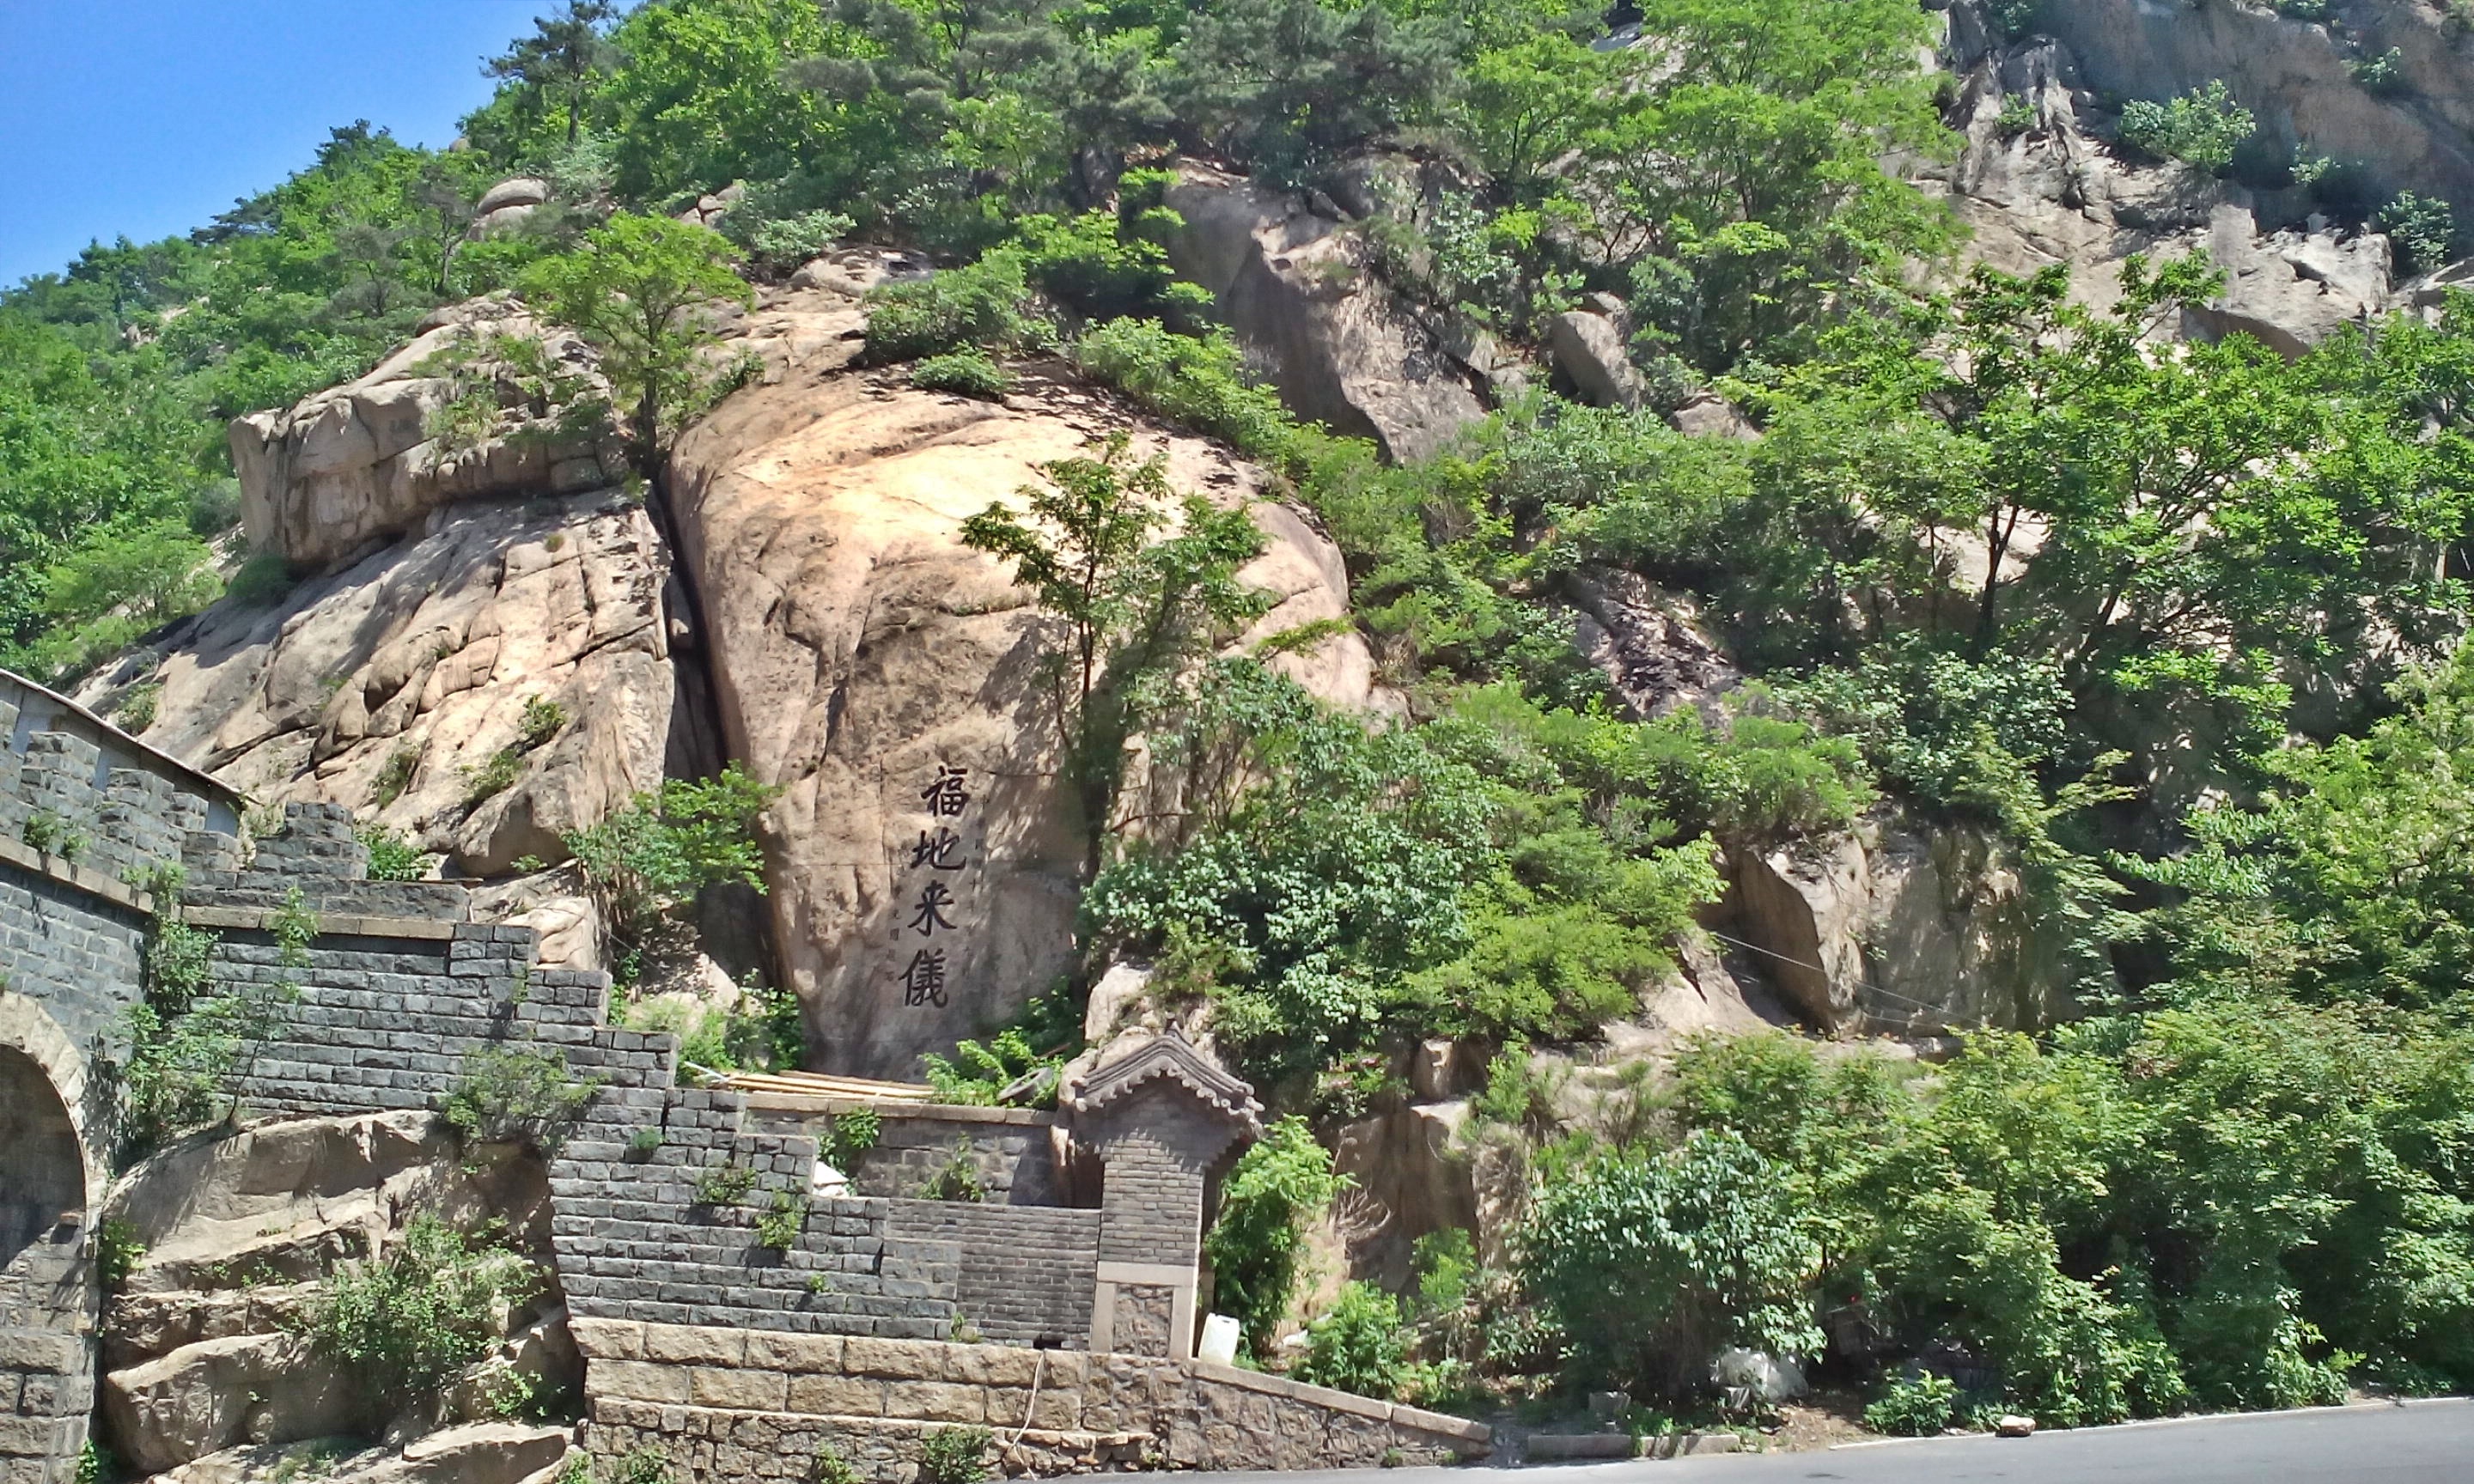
[{"x": 147, "y": 117}]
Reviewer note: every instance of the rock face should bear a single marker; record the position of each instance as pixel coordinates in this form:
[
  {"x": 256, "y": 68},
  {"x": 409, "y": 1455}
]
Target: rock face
[
  {"x": 477, "y": 1453},
  {"x": 925, "y": 853},
  {"x": 2297, "y": 77},
  {"x": 2056, "y": 193},
  {"x": 236, "y": 1234},
  {"x": 1899, "y": 929},
  {"x": 390, "y": 687},
  {"x": 1590, "y": 360},
  {"x": 1292, "y": 285},
  {"x": 358, "y": 462}
]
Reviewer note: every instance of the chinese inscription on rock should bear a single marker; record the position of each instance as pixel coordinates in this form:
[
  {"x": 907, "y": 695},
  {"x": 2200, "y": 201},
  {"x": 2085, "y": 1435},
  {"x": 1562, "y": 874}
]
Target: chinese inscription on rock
[{"x": 938, "y": 851}]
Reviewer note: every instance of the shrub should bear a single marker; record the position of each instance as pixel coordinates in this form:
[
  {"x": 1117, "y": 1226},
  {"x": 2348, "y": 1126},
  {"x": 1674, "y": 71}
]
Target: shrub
[
  {"x": 831, "y": 1466},
  {"x": 540, "y": 721},
  {"x": 1652, "y": 1263},
  {"x": 1276, "y": 1189},
  {"x": 2202, "y": 128},
  {"x": 117, "y": 1252},
  {"x": 134, "y": 709},
  {"x": 1914, "y": 1406},
  {"x": 393, "y": 776},
  {"x": 969, "y": 372},
  {"x": 1200, "y": 382},
  {"x": 959, "y": 1180},
  {"x": 778, "y": 1229},
  {"x": 406, "y": 1323},
  {"x": 1357, "y": 1344},
  {"x": 724, "y": 1185},
  {"x": 261, "y": 581},
  {"x": 2382, "y": 75},
  {"x": 788, "y": 241},
  {"x": 954, "y": 1455},
  {"x": 650, "y": 857},
  {"x": 494, "y": 777},
  {"x": 2423, "y": 229},
  {"x": 977, "y": 1074},
  {"x": 985, "y": 304},
  {"x": 517, "y": 1092},
  {"x": 392, "y": 857},
  {"x": 849, "y": 1136}
]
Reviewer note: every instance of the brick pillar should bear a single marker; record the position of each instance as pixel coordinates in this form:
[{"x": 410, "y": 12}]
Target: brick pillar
[{"x": 1159, "y": 1118}]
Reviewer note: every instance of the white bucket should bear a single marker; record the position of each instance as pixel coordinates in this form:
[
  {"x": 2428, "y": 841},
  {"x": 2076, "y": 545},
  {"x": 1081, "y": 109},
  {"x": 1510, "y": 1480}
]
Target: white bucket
[{"x": 1220, "y": 1337}]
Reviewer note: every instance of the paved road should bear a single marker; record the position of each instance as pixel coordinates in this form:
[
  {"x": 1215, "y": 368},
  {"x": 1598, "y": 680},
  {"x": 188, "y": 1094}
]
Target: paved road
[{"x": 2413, "y": 1442}]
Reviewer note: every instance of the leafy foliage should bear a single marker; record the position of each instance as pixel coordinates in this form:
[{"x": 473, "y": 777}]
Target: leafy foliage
[
  {"x": 647, "y": 860},
  {"x": 640, "y": 289},
  {"x": 1356, "y": 1345},
  {"x": 1133, "y": 607},
  {"x": 2202, "y": 128},
  {"x": 1277, "y": 1186},
  {"x": 954, "y": 1455},
  {"x": 517, "y": 1092},
  {"x": 407, "y": 1321},
  {"x": 1652, "y": 1262}
]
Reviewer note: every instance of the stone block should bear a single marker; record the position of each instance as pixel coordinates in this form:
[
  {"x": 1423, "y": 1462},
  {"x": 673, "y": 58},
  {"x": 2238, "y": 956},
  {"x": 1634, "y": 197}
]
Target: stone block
[
  {"x": 795, "y": 1353},
  {"x": 898, "y": 1359},
  {"x": 936, "y": 1401},
  {"x": 739, "y": 1388},
  {"x": 837, "y": 1396},
  {"x": 703, "y": 1346},
  {"x": 636, "y": 1380},
  {"x": 614, "y": 1339}
]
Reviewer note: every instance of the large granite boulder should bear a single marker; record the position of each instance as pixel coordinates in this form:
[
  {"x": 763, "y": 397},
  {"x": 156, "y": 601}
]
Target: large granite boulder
[
  {"x": 925, "y": 855},
  {"x": 360, "y": 462},
  {"x": 235, "y": 1236},
  {"x": 2298, "y": 78},
  {"x": 391, "y": 685},
  {"x": 2057, "y": 192},
  {"x": 1297, "y": 290}
]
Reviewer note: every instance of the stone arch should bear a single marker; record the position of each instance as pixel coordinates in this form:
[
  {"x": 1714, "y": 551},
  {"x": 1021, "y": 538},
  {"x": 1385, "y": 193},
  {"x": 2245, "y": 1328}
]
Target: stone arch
[
  {"x": 42, "y": 1164},
  {"x": 41, "y": 1072}
]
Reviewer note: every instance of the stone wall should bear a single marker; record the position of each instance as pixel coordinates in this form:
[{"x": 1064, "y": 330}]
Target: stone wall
[
  {"x": 86, "y": 816},
  {"x": 730, "y": 1404},
  {"x": 1028, "y": 1271},
  {"x": 1011, "y": 1151}
]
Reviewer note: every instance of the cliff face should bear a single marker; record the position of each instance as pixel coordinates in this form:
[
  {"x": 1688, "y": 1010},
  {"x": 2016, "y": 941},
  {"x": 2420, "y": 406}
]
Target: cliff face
[{"x": 2300, "y": 79}]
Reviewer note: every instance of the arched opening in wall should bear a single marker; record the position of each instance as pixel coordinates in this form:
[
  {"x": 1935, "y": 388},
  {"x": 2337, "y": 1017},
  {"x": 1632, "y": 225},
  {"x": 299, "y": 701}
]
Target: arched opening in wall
[{"x": 42, "y": 1172}]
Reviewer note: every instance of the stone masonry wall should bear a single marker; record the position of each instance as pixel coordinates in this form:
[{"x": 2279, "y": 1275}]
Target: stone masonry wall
[
  {"x": 737, "y": 1318},
  {"x": 89, "y": 819},
  {"x": 1027, "y": 1272},
  {"x": 728, "y": 1404}
]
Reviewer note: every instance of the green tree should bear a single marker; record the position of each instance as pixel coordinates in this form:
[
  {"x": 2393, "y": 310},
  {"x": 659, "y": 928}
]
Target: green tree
[
  {"x": 564, "y": 55},
  {"x": 642, "y": 291},
  {"x": 1742, "y": 184},
  {"x": 1287, "y": 86},
  {"x": 1135, "y": 608},
  {"x": 1254, "y": 1247}
]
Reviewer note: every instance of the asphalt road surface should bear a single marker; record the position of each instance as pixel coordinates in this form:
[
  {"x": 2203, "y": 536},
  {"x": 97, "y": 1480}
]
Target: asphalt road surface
[{"x": 2412, "y": 1443}]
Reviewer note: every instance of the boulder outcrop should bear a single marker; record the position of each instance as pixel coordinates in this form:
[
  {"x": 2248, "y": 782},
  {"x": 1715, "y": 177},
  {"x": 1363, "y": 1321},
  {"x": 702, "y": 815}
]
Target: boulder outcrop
[
  {"x": 1901, "y": 929},
  {"x": 362, "y": 461},
  {"x": 235, "y": 1236},
  {"x": 2298, "y": 78},
  {"x": 2044, "y": 188},
  {"x": 1294, "y": 285},
  {"x": 394, "y": 686},
  {"x": 923, "y": 856}
]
